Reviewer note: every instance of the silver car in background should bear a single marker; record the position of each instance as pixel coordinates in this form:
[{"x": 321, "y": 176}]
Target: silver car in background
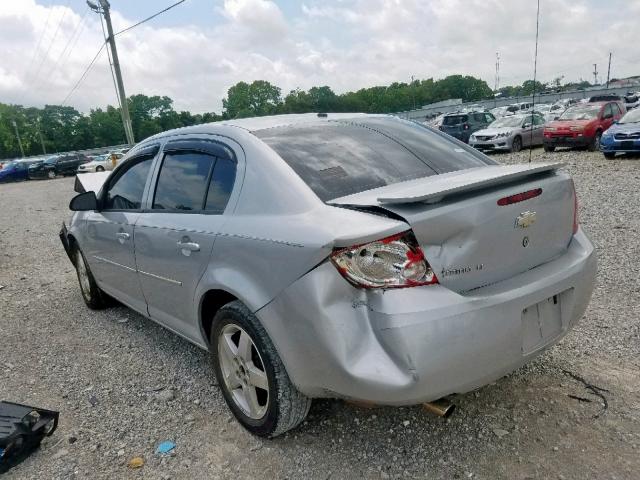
[
  {"x": 510, "y": 133},
  {"x": 352, "y": 256}
]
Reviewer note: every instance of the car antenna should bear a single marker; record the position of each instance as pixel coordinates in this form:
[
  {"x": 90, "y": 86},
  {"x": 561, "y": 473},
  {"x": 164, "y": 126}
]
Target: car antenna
[{"x": 535, "y": 73}]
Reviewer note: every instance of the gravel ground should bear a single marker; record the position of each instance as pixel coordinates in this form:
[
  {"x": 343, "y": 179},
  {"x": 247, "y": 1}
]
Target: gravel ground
[{"x": 124, "y": 384}]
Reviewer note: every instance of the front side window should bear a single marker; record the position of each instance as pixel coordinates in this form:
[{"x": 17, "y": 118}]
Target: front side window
[
  {"x": 608, "y": 111},
  {"x": 125, "y": 192}
]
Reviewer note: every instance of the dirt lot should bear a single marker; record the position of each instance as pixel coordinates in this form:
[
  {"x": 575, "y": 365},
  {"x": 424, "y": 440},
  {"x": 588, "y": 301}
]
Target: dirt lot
[{"x": 124, "y": 384}]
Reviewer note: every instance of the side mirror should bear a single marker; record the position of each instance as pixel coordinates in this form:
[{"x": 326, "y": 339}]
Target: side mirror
[
  {"x": 84, "y": 202},
  {"x": 607, "y": 116},
  {"x": 556, "y": 117},
  {"x": 527, "y": 125}
]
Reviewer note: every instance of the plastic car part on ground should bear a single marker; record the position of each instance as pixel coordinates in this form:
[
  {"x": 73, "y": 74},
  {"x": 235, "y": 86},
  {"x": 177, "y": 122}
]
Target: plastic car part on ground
[{"x": 22, "y": 428}]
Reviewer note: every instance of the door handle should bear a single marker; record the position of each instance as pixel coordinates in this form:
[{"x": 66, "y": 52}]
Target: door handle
[
  {"x": 122, "y": 237},
  {"x": 186, "y": 246}
]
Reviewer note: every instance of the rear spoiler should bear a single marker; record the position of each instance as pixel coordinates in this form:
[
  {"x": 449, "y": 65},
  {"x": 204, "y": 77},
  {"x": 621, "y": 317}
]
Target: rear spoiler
[
  {"x": 433, "y": 189},
  {"x": 90, "y": 182}
]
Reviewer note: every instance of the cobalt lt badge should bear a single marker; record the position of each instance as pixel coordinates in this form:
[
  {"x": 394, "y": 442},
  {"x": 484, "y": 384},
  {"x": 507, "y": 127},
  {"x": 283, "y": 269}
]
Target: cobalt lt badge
[
  {"x": 525, "y": 242},
  {"x": 525, "y": 220}
]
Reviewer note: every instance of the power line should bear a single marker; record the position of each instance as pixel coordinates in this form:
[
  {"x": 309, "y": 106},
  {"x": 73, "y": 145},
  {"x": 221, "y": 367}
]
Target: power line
[
  {"x": 84, "y": 74},
  {"x": 149, "y": 18},
  {"x": 55, "y": 35},
  {"x": 57, "y": 65},
  {"x": 37, "y": 49}
]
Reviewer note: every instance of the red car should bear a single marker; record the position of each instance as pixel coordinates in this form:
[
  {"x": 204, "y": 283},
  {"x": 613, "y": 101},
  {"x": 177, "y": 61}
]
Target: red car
[{"x": 582, "y": 125}]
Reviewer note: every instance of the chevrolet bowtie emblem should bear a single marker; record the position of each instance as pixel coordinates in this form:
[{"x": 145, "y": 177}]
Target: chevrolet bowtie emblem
[{"x": 525, "y": 219}]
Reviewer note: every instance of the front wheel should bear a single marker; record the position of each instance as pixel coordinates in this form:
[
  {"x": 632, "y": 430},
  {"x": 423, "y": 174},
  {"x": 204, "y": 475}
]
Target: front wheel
[
  {"x": 609, "y": 155},
  {"x": 549, "y": 148},
  {"x": 92, "y": 295},
  {"x": 99, "y": 169},
  {"x": 252, "y": 377},
  {"x": 51, "y": 174},
  {"x": 594, "y": 146},
  {"x": 516, "y": 145}
]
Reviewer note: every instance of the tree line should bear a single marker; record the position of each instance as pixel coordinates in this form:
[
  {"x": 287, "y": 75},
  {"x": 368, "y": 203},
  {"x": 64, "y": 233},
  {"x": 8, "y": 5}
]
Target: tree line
[{"x": 63, "y": 128}]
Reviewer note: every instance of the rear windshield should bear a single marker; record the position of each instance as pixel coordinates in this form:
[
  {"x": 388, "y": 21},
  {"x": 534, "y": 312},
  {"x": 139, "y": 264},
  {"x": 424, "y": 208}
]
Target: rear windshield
[
  {"x": 455, "y": 119},
  {"x": 339, "y": 158}
]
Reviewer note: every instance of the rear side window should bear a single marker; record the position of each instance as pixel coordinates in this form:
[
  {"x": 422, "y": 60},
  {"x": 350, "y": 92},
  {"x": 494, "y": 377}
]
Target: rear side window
[
  {"x": 183, "y": 181},
  {"x": 222, "y": 180},
  {"x": 340, "y": 158},
  {"x": 455, "y": 119},
  {"x": 478, "y": 117},
  {"x": 125, "y": 192},
  {"x": 194, "y": 181}
]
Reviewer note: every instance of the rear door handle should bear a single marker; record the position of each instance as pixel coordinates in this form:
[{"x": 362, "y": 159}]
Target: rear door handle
[{"x": 186, "y": 246}]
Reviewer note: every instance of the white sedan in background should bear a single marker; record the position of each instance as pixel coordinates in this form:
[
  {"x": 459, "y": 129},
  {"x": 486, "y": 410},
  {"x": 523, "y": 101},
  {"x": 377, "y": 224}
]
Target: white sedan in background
[{"x": 101, "y": 163}]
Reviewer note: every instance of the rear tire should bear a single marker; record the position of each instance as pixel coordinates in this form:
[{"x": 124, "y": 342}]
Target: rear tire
[
  {"x": 516, "y": 145},
  {"x": 253, "y": 379},
  {"x": 609, "y": 155},
  {"x": 594, "y": 146},
  {"x": 92, "y": 295},
  {"x": 549, "y": 148}
]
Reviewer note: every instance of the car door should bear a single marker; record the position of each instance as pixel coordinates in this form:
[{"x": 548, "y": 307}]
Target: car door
[
  {"x": 607, "y": 116},
  {"x": 174, "y": 237},
  {"x": 538, "y": 129},
  {"x": 109, "y": 235}
]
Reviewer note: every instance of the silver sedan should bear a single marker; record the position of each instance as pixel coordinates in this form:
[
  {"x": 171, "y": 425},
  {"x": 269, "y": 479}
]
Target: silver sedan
[
  {"x": 510, "y": 133},
  {"x": 354, "y": 256}
]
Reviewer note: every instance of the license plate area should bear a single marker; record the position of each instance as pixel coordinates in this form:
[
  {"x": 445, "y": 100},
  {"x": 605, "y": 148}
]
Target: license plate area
[
  {"x": 627, "y": 145},
  {"x": 542, "y": 322}
]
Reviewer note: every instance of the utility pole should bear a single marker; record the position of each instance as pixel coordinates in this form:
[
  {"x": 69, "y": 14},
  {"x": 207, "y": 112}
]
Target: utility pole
[
  {"x": 495, "y": 90},
  {"x": 609, "y": 70},
  {"x": 15, "y": 126},
  {"x": 44, "y": 150},
  {"x": 413, "y": 92},
  {"x": 595, "y": 73},
  {"x": 124, "y": 107}
]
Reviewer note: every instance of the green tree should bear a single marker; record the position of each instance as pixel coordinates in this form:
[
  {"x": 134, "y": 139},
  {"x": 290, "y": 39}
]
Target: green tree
[{"x": 257, "y": 99}]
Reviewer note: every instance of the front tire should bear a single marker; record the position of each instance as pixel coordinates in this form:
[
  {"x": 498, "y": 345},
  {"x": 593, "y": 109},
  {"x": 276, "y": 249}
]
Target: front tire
[
  {"x": 251, "y": 375},
  {"x": 51, "y": 174},
  {"x": 609, "y": 155},
  {"x": 99, "y": 169},
  {"x": 92, "y": 295},
  {"x": 549, "y": 148},
  {"x": 594, "y": 146},
  {"x": 516, "y": 145}
]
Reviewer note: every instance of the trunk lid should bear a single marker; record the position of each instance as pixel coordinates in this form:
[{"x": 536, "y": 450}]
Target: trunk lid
[{"x": 470, "y": 240}]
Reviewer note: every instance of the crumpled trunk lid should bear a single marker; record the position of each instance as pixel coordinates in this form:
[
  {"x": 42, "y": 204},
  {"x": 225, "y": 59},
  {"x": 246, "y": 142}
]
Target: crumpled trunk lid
[{"x": 471, "y": 241}]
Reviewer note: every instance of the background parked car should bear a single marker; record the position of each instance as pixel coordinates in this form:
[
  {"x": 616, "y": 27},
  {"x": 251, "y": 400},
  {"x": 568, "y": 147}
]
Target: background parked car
[
  {"x": 605, "y": 97},
  {"x": 510, "y": 133},
  {"x": 57, "y": 165},
  {"x": 623, "y": 136},
  {"x": 14, "y": 171},
  {"x": 101, "y": 163},
  {"x": 462, "y": 125},
  {"x": 582, "y": 125}
]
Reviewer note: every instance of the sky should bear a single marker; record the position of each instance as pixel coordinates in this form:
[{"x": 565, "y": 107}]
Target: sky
[{"x": 194, "y": 52}]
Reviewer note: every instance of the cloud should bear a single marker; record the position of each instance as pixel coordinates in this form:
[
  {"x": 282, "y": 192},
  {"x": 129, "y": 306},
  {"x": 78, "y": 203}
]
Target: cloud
[{"x": 346, "y": 44}]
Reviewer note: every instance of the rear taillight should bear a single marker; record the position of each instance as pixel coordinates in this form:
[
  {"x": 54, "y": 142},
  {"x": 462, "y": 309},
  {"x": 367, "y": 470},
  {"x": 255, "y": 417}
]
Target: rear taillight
[
  {"x": 393, "y": 262},
  {"x": 576, "y": 222}
]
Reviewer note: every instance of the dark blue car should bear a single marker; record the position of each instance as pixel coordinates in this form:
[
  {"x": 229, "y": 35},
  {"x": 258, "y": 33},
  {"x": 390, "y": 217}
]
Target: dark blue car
[
  {"x": 623, "y": 136},
  {"x": 14, "y": 171}
]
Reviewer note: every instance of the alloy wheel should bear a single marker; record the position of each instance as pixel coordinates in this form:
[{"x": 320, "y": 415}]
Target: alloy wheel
[{"x": 243, "y": 371}]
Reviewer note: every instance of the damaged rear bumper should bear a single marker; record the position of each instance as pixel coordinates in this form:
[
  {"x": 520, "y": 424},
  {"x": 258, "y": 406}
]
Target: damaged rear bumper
[{"x": 407, "y": 346}]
